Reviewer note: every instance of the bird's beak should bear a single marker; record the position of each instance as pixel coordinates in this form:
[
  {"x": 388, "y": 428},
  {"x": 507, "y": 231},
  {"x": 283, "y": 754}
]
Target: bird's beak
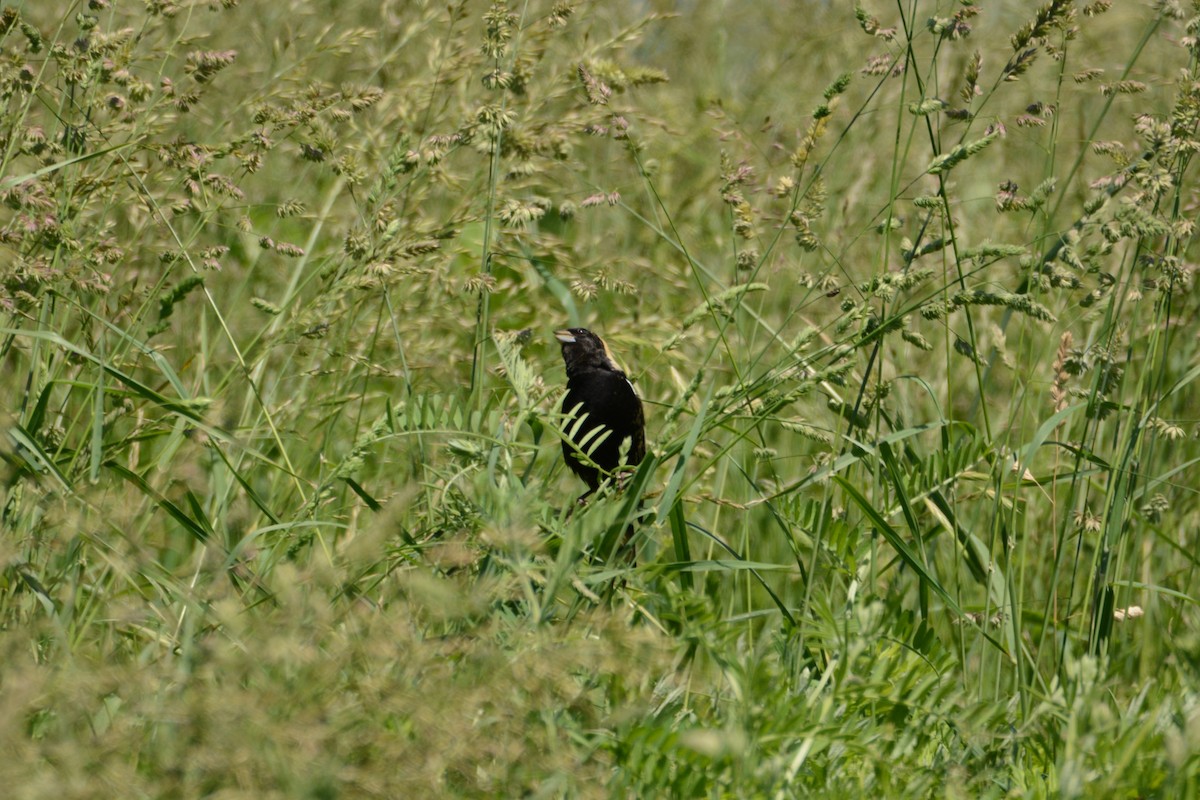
[{"x": 564, "y": 336}]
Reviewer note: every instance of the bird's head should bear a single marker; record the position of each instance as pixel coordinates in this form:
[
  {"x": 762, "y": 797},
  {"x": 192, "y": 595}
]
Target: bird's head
[{"x": 582, "y": 349}]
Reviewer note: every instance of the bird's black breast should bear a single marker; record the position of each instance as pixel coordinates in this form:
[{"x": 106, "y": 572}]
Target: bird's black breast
[{"x": 608, "y": 400}]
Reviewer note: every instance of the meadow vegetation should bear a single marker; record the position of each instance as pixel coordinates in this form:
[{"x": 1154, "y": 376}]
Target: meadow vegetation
[{"x": 908, "y": 291}]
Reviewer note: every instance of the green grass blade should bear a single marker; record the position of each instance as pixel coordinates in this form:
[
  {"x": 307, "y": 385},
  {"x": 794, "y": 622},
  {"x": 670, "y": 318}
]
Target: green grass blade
[
  {"x": 198, "y": 531},
  {"x": 898, "y": 544},
  {"x": 683, "y": 553}
]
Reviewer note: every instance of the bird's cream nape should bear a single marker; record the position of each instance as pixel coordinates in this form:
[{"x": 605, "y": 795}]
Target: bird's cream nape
[{"x": 608, "y": 353}]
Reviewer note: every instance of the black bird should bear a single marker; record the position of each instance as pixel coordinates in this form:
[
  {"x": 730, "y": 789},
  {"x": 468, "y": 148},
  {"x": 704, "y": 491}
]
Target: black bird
[{"x": 601, "y": 391}]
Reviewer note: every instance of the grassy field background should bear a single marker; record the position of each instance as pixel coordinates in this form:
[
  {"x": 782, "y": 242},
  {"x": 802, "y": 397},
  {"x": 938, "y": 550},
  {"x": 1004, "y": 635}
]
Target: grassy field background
[{"x": 907, "y": 289}]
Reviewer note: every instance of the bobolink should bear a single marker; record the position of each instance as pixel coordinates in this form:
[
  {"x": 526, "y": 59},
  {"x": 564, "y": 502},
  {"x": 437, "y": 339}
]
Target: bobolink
[{"x": 605, "y": 399}]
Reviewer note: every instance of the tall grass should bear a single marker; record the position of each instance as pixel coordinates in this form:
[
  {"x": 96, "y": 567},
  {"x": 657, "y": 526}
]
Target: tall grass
[{"x": 907, "y": 291}]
